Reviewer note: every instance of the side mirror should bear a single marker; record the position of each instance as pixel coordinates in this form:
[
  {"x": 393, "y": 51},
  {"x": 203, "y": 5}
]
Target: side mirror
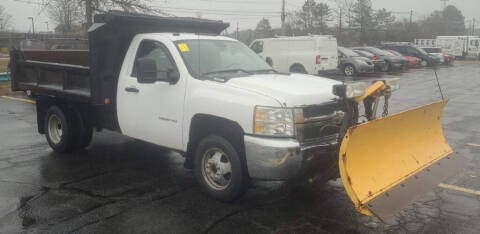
[
  {"x": 147, "y": 70},
  {"x": 148, "y": 73},
  {"x": 172, "y": 76}
]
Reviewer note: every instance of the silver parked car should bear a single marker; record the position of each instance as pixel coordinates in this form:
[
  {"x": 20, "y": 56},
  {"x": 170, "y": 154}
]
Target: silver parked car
[{"x": 351, "y": 63}]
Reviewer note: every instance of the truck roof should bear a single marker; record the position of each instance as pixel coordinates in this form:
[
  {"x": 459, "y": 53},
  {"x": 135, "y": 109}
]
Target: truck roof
[{"x": 174, "y": 36}]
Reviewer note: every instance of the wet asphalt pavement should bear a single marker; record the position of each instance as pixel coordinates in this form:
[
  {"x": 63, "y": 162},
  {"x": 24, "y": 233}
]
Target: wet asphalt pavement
[{"x": 121, "y": 185}]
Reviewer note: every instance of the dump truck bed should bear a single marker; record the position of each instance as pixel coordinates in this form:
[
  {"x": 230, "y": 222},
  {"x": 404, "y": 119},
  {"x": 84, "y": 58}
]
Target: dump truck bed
[
  {"x": 43, "y": 73},
  {"x": 91, "y": 76}
]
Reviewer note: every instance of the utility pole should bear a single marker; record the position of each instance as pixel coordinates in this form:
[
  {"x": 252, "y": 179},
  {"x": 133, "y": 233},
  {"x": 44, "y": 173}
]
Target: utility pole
[
  {"x": 282, "y": 17},
  {"x": 411, "y": 17},
  {"x": 46, "y": 22},
  {"x": 88, "y": 12},
  {"x": 236, "y": 34},
  {"x": 473, "y": 26},
  {"x": 33, "y": 26},
  {"x": 1, "y": 24},
  {"x": 340, "y": 26}
]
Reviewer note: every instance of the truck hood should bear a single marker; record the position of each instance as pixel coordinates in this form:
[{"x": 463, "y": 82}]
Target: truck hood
[{"x": 289, "y": 89}]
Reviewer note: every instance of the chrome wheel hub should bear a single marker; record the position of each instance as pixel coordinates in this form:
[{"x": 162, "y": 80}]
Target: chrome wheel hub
[
  {"x": 216, "y": 169},
  {"x": 349, "y": 70},
  {"x": 55, "y": 129}
]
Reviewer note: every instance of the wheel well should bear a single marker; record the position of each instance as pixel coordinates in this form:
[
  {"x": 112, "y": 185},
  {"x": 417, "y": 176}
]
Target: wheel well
[
  {"x": 43, "y": 104},
  {"x": 297, "y": 65},
  {"x": 269, "y": 61},
  {"x": 203, "y": 125}
]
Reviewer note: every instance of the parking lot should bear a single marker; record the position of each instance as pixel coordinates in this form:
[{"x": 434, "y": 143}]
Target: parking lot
[{"x": 122, "y": 185}]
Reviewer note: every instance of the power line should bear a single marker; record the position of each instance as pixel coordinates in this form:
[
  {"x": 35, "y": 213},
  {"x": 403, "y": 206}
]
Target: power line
[{"x": 216, "y": 10}]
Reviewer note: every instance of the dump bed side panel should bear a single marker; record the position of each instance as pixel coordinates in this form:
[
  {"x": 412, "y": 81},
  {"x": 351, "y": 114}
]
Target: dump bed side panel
[{"x": 44, "y": 76}]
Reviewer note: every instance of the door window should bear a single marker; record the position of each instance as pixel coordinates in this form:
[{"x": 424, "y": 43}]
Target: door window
[
  {"x": 411, "y": 51},
  {"x": 156, "y": 51},
  {"x": 257, "y": 47}
]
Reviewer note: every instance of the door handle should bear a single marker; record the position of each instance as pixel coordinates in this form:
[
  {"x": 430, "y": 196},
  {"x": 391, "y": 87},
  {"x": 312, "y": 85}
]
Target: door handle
[{"x": 132, "y": 89}]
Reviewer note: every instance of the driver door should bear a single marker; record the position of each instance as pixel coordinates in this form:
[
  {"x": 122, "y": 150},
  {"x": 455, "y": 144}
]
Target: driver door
[{"x": 152, "y": 112}]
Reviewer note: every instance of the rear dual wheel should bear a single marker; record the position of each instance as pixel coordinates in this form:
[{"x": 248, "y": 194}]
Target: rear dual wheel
[{"x": 65, "y": 131}]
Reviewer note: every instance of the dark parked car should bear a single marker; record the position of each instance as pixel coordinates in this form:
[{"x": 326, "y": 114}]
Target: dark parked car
[
  {"x": 378, "y": 62},
  {"x": 351, "y": 63},
  {"x": 392, "y": 62},
  {"x": 411, "y": 50}
]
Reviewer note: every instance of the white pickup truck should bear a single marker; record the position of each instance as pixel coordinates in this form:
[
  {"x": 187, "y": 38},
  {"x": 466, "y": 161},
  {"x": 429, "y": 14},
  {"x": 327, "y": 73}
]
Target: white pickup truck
[
  {"x": 176, "y": 83},
  {"x": 207, "y": 96}
]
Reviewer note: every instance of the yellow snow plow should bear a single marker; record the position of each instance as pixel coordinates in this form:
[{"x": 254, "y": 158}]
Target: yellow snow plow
[{"x": 387, "y": 162}]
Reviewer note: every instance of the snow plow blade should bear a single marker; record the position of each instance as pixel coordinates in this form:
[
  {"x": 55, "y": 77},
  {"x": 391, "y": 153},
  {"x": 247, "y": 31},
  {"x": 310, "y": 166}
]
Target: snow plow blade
[{"x": 386, "y": 163}]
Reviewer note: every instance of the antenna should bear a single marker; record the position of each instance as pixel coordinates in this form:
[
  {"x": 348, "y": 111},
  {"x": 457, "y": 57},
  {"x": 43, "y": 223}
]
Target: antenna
[{"x": 438, "y": 83}]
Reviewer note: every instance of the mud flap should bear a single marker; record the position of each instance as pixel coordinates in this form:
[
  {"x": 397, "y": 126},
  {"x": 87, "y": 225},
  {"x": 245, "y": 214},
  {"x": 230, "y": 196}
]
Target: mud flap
[{"x": 386, "y": 163}]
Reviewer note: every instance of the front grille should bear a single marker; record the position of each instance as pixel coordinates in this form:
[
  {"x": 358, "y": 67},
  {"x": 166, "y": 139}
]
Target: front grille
[
  {"x": 320, "y": 110},
  {"x": 312, "y": 132},
  {"x": 322, "y": 124}
]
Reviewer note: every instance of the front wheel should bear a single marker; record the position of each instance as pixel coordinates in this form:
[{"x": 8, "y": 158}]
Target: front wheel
[
  {"x": 386, "y": 67},
  {"x": 219, "y": 169},
  {"x": 349, "y": 70},
  {"x": 297, "y": 68}
]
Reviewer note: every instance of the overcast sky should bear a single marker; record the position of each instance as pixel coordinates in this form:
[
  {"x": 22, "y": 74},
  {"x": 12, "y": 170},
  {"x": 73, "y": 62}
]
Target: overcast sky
[{"x": 244, "y": 12}]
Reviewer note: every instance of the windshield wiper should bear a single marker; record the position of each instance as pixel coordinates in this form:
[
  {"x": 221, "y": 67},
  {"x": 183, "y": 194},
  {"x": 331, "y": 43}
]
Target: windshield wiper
[{"x": 227, "y": 71}]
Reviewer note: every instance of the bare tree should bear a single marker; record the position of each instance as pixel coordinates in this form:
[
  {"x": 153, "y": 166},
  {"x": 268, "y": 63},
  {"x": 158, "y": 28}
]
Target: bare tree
[
  {"x": 67, "y": 14},
  {"x": 64, "y": 12},
  {"x": 5, "y": 19},
  {"x": 135, "y": 6}
]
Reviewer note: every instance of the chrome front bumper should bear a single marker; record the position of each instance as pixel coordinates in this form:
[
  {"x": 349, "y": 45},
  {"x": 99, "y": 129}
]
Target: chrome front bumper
[{"x": 275, "y": 158}]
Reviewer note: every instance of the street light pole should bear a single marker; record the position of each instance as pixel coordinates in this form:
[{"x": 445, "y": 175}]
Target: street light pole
[{"x": 33, "y": 26}]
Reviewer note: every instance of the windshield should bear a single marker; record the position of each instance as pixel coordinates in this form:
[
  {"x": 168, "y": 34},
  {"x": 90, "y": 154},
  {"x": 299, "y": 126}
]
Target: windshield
[
  {"x": 378, "y": 51},
  {"x": 389, "y": 53},
  {"x": 433, "y": 50},
  {"x": 395, "y": 52},
  {"x": 348, "y": 52},
  {"x": 364, "y": 53},
  {"x": 422, "y": 51},
  {"x": 220, "y": 58}
]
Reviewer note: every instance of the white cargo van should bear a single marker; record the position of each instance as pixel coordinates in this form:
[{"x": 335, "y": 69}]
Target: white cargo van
[
  {"x": 460, "y": 46},
  {"x": 311, "y": 54}
]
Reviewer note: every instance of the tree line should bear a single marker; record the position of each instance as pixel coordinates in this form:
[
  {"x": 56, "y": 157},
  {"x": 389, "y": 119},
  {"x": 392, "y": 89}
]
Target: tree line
[
  {"x": 353, "y": 22},
  {"x": 356, "y": 22}
]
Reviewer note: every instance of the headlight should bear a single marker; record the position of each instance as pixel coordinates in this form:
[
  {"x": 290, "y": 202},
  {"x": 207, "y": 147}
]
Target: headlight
[
  {"x": 350, "y": 90},
  {"x": 271, "y": 121},
  {"x": 393, "y": 83}
]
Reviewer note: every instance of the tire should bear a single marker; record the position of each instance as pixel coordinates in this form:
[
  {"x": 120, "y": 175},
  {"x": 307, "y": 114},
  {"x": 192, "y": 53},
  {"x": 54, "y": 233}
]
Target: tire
[
  {"x": 349, "y": 70},
  {"x": 59, "y": 130},
  {"x": 297, "y": 68},
  {"x": 212, "y": 172},
  {"x": 386, "y": 67},
  {"x": 269, "y": 61}
]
